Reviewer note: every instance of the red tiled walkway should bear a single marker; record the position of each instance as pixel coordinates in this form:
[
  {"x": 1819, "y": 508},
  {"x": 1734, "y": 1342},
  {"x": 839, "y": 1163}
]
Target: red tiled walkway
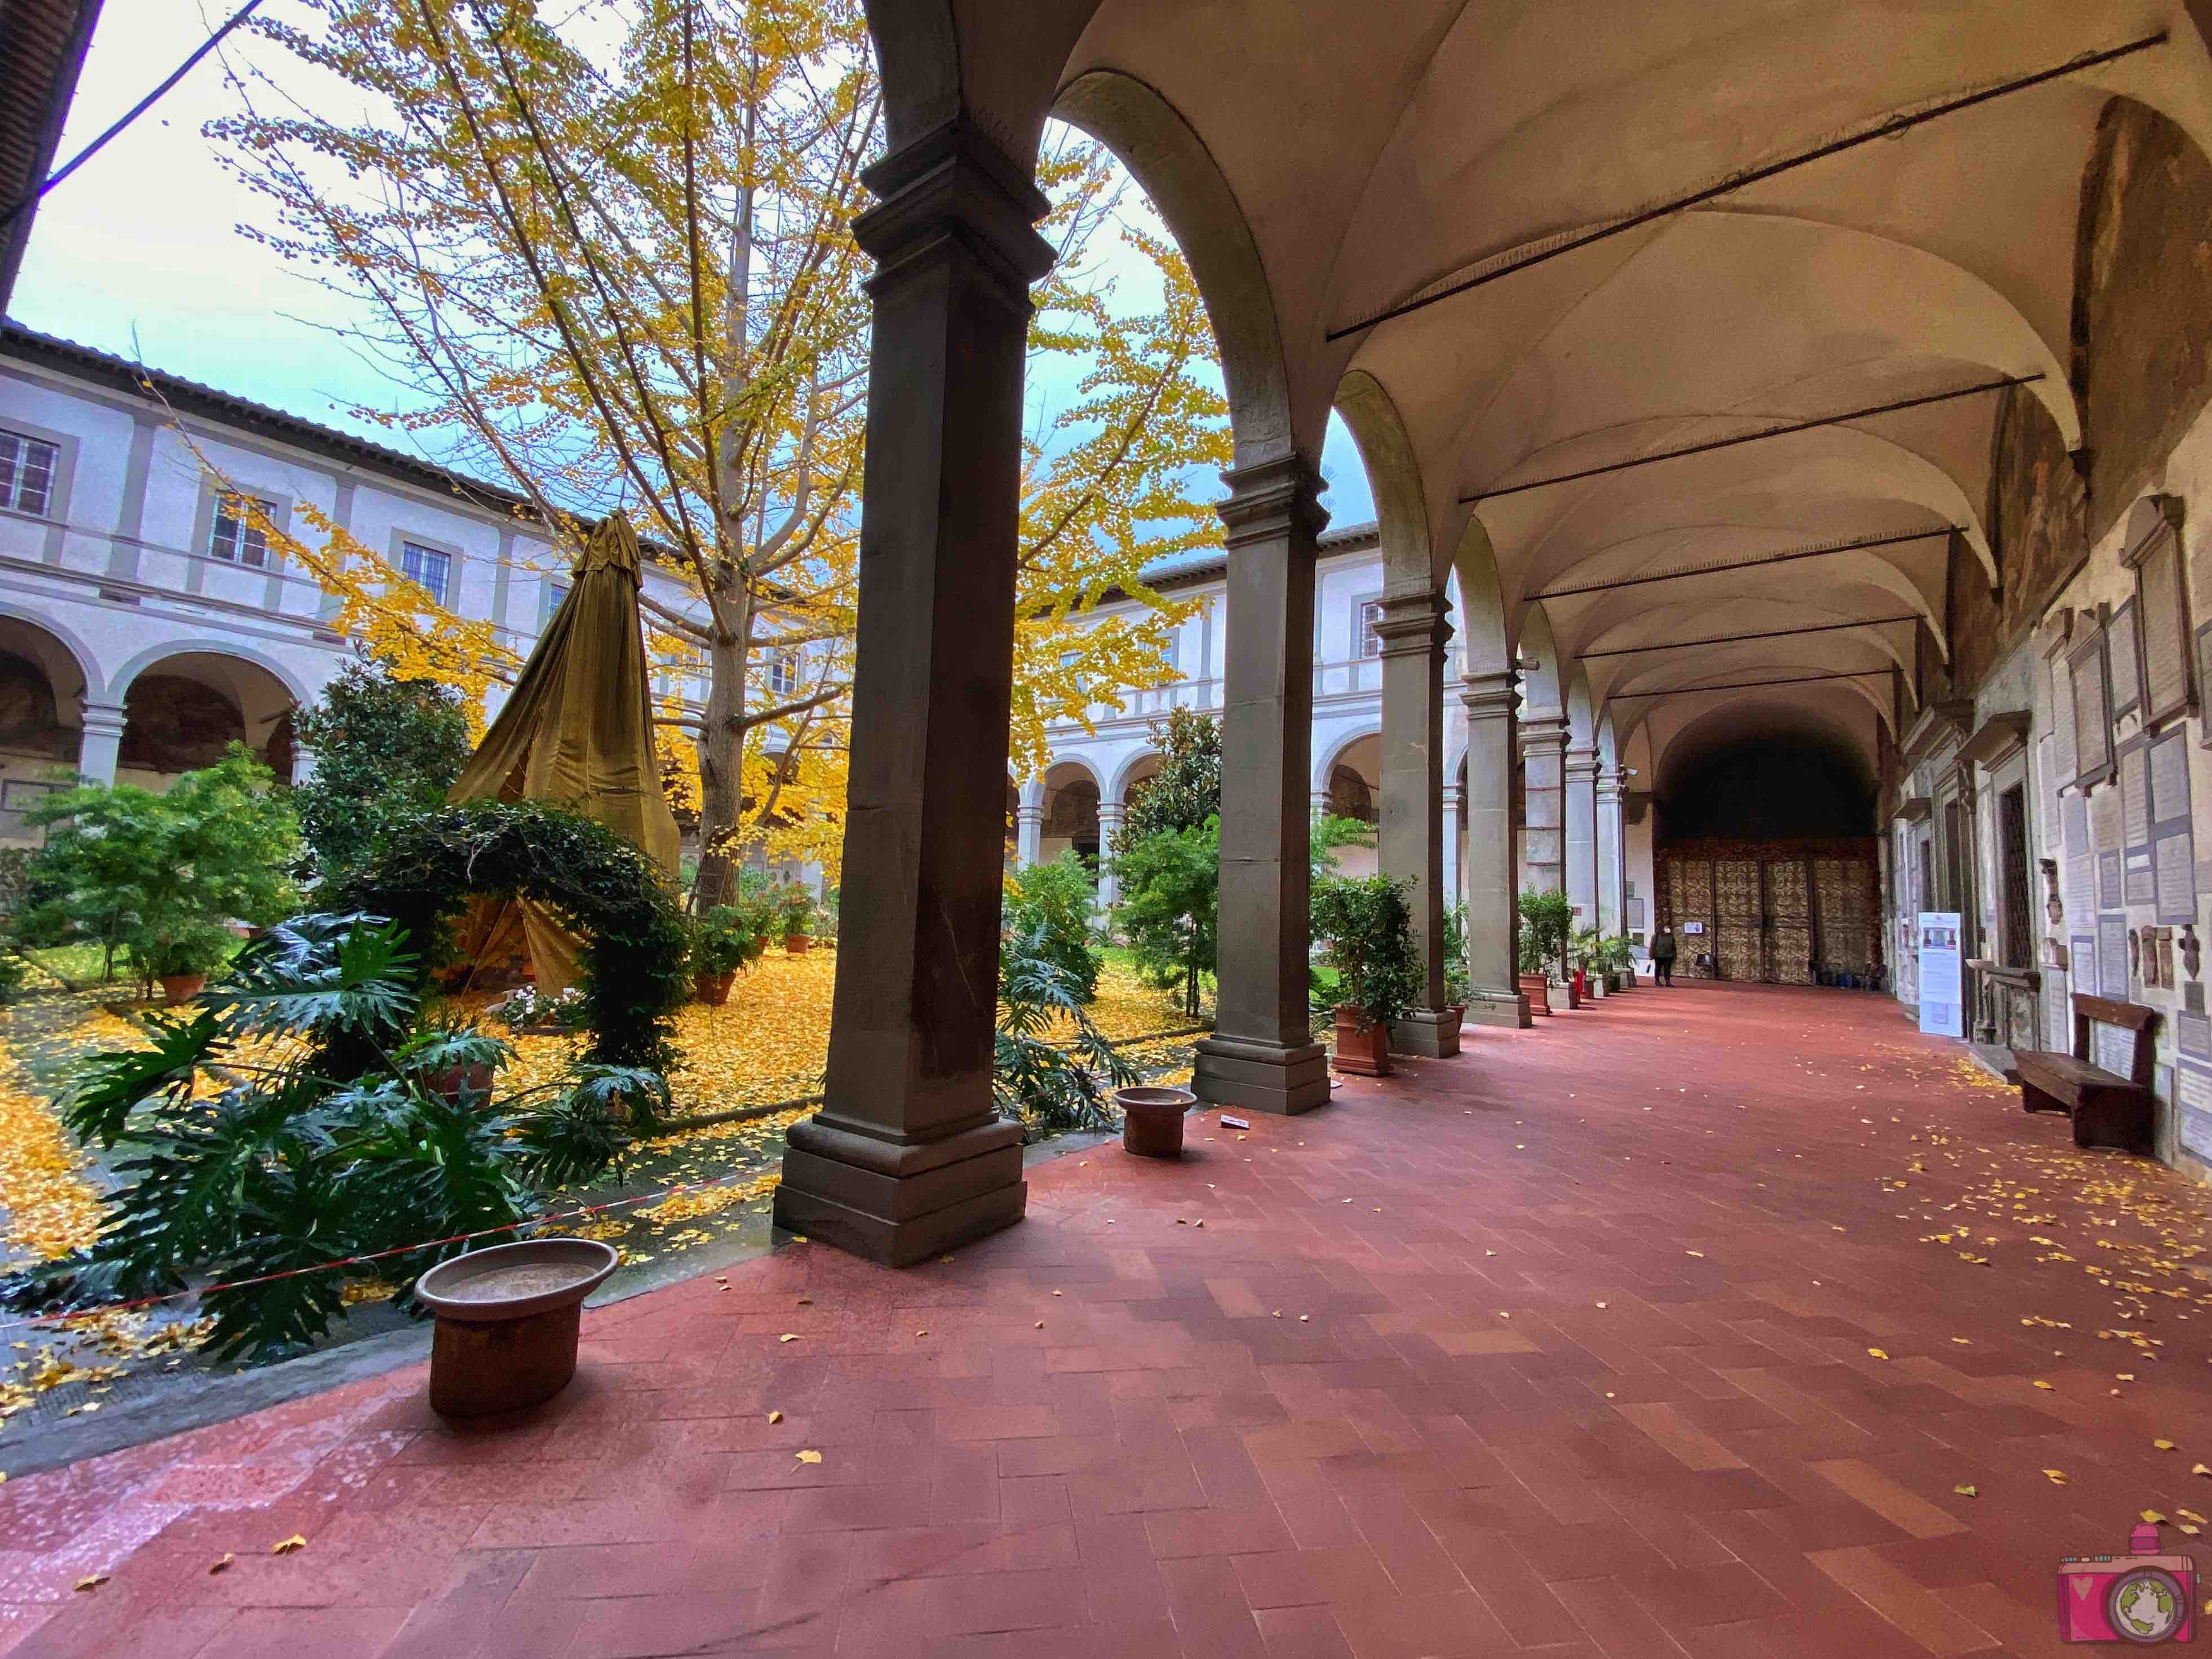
[{"x": 1572, "y": 1359}]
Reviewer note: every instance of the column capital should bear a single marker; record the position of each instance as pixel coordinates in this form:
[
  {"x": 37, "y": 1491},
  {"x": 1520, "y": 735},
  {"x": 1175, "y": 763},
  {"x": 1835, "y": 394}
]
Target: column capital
[
  {"x": 1270, "y": 500},
  {"x": 1609, "y": 787},
  {"x": 1582, "y": 764},
  {"x": 1490, "y": 696},
  {"x": 106, "y": 718},
  {"x": 1545, "y": 732},
  {"x": 1029, "y": 815},
  {"x": 1412, "y": 623},
  {"x": 953, "y": 184},
  {"x": 1111, "y": 812}
]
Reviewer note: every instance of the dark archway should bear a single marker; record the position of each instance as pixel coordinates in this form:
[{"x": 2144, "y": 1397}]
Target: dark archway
[{"x": 1768, "y": 787}]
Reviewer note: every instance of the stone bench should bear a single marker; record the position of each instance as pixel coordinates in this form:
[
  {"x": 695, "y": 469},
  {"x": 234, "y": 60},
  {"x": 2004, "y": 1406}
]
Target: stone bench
[{"x": 2107, "y": 1109}]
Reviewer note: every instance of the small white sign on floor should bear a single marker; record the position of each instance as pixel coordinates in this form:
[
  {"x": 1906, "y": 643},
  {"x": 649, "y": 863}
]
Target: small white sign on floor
[{"x": 1942, "y": 1011}]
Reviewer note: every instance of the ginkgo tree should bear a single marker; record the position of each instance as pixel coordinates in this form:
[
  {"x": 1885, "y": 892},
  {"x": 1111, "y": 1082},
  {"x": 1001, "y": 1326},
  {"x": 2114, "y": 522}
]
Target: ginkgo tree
[{"x": 606, "y": 250}]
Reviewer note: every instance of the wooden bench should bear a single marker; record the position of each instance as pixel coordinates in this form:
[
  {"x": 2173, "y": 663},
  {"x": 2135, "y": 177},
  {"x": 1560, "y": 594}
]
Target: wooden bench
[{"x": 2107, "y": 1109}]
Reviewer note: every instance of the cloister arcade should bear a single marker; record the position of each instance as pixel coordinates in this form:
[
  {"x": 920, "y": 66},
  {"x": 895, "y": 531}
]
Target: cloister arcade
[{"x": 1698, "y": 403}]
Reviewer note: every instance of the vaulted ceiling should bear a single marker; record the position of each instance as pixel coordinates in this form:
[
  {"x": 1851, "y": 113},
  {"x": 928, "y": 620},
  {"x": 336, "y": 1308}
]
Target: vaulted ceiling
[{"x": 1333, "y": 165}]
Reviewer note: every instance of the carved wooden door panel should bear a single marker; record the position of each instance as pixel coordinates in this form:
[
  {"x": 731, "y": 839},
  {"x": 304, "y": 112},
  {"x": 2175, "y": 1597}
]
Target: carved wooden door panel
[
  {"x": 1843, "y": 894},
  {"x": 1690, "y": 897},
  {"x": 1789, "y": 916},
  {"x": 1740, "y": 951}
]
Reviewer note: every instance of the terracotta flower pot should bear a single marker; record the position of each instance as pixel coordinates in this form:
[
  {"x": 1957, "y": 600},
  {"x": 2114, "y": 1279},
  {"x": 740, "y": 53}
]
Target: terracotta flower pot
[
  {"x": 454, "y": 1080},
  {"x": 1363, "y": 1045},
  {"x": 509, "y": 1319},
  {"x": 1537, "y": 987},
  {"x": 713, "y": 988},
  {"x": 1152, "y": 1120},
  {"x": 795, "y": 944},
  {"x": 178, "y": 989}
]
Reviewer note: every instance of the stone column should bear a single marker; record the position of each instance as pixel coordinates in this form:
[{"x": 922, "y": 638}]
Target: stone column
[
  {"x": 1581, "y": 838},
  {"x": 1543, "y": 755},
  {"x": 1110, "y": 814},
  {"x": 1611, "y": 853},
  {"x": 1488, "y": 879},
  {"x": 907, "y": 1156},
  {"x": 1414, "y": 633},
  {"x": 1261, "y": 1053},
  {"x": 1029, "y": 834},
  {"x": 1454, "y": 842},
  {"x": 1321, "y": 803},
  {"x": 102, "y": 745}
]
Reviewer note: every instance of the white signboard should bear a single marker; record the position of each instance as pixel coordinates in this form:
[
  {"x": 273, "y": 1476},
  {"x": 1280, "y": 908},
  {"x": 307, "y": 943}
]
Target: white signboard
[{"x": 1942, "y": 1013}]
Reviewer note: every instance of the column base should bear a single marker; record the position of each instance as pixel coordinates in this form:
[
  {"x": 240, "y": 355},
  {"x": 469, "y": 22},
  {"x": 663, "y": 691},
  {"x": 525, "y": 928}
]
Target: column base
[
  {"x": 1509, "y": 1009},
  {"x": 899, "y": 1202},
  {"x": 1265, "y": 1077},
  {"x": 1432, "y": 1034}
]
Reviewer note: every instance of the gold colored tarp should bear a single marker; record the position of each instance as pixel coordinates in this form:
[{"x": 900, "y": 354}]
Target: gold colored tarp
[{"x": 576, "y": 731}]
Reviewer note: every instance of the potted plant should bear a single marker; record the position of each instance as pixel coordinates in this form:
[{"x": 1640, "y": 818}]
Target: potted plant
[
  {"x": 1369, "y": 931},
  {"x": 1546, "y": 919},
  {"x": 1618, "y": 960},
  {"x": 1458, "y": 988},
  {"x": 1587, "y": 978},
  {"x": 183, "y": 956},
  {"x": 724, "y": 939},
  {"x": 794, "y": 913}
]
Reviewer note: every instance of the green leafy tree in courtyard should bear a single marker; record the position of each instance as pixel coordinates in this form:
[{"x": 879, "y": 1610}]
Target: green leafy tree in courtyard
[
  {"x": 1053, "y": 903},
  {"x": 157, "y": 876},
  {"x": 383, "y": 747}
]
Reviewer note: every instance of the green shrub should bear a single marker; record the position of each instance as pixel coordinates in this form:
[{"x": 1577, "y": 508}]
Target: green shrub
[
  {"x": 302, "y": 1165},
  {"x": 1369, "y": 930},
  {"x": 1053, "y": 903},
  {"x": 1459, "y": 986},
  {"x": 635, "y": 952}
]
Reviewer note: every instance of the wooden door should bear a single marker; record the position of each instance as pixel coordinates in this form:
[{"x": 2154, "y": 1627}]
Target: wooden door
[
  {"x": 1738, "y": 900},
  {"x": 1790, "y": 922}
]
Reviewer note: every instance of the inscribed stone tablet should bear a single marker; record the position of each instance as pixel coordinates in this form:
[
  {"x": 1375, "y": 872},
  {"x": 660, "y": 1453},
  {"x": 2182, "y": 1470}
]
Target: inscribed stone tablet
[{"x": 2112, "y": 958}]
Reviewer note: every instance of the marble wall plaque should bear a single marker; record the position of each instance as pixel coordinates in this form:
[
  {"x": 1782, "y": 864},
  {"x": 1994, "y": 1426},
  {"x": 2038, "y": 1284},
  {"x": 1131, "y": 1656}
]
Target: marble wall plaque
[
  {"x": 2135, "y": 795},
  {"x": 2140, "y": 881},
  {"x": 2112, "y": 958},
  {"x": 2064, "y": 765},
  {"x": 2171, "y": 830},
  {"x": 2176, "y": 878},
  {"x": 2084, "y": 959},
  {"x": 2163, "y": 623},
  {"x": 2169, "y": 780},
  {"x": 2192, "y": 1035},
  {"x": 2108, "y": 882},
  {"x": 2192, "y": 1092},
  {"x": 2092, "y": 719},
  {"x": 2126, "y": 679},
  {"x": 2111, "y": 1048}
]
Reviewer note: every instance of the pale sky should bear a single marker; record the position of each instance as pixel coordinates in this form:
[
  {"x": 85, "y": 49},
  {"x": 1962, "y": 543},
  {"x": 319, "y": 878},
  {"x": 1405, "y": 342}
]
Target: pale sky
[{"x": 139, "y": 252}]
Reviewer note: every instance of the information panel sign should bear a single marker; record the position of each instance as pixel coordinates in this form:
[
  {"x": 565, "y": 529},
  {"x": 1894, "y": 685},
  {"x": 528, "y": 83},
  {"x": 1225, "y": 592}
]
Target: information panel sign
[{"x": 1942, "y": 1010}]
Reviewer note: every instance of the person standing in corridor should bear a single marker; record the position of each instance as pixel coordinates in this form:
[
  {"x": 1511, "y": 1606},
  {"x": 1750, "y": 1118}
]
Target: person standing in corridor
[{"x": 1662, "y": 956}]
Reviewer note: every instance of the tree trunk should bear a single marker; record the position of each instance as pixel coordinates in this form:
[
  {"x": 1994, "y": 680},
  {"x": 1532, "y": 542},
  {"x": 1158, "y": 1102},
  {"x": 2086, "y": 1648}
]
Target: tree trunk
[{"x": 721, "y": 755}]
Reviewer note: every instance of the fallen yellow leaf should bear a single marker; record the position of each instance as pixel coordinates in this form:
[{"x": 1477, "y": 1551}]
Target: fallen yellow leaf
[
  {"x": 775, "y": 1417},
  {"x": 1966, "y": 1491},
  {"x": 2163, "y": 1445},
  {"x": 287, "y": 1546},
  {"x": 222, "y": 1564},
  {"x": 1040, "y": 1324},
  {"x": 1877, "y": 1353},
  {"x": 92, "y": 1581},
  {"x": 2201, "y": 1468},
  {"x": 2154, "y": 1518},
  {"x": 788, "y": 1336},
  {"x": 810, "y": 1457},
  {"x": 921, "y": 1333},
  {"x": 2057, "y": 1476},
  {"x": 2041, "y": 1383}
]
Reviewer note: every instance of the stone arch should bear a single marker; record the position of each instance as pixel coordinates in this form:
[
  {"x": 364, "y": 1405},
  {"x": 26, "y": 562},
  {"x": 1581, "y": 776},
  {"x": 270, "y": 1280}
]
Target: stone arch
[
  {"x": 918, "y": 60},
  {"x": 1542, "y": 692},
  {"x": 1484, "y": 635},
  {"x": 1171, "y": 162},
  {"x": 1582, "y": 723},
  {"x": 1326, "y": 760},
  {"x": 1394, "y": 478},
  {"x": 1134, "y": 768},
  {"x": 297, "y": 689},
  {"x": 1072, "y": 794},
  {"x": 184, "y": 703},
  {"x": 71, "y": 663}
]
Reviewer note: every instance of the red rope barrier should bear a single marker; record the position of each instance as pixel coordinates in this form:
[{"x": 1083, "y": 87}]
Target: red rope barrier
[{"x": 62, "y": 1319}]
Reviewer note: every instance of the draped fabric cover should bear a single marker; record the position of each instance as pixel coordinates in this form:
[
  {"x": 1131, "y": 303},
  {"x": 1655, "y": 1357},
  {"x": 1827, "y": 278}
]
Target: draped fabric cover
[{"x": 577, "y": 732}]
